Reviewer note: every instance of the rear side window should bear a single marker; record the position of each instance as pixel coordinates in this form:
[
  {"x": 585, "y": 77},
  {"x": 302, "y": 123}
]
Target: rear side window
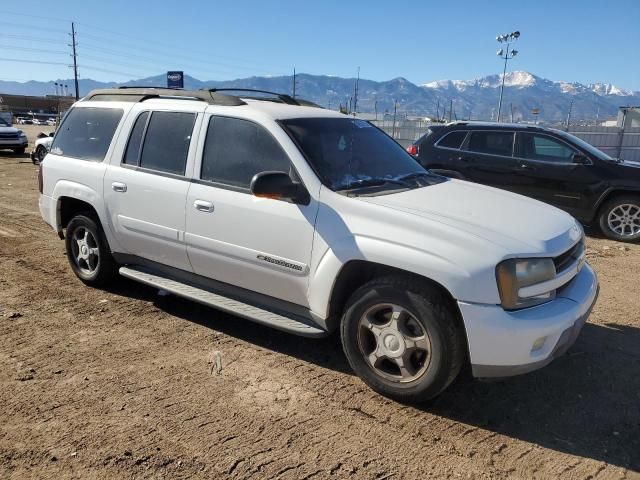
[
  {"x": 167, "y": 136},
  {"x": 492, "y": 143},
  {"x": 86, "y": 133},
  {"x": 132, "y": 155},
  {"x": 452, "y": 140},
  {"x": 235, "y": 150}
]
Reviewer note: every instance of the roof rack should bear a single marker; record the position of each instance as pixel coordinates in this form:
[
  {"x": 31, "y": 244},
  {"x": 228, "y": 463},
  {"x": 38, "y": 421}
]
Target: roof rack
[
  {"x": 140, "y": 94},
  {"x": 284, "y": 98}
]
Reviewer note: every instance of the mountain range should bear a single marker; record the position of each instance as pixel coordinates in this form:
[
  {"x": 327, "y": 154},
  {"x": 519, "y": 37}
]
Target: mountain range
[{"x": 460, "y": 99}]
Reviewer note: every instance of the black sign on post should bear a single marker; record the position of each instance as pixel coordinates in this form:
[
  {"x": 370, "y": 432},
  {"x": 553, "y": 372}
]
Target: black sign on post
[{"x": 175, "y": 79}]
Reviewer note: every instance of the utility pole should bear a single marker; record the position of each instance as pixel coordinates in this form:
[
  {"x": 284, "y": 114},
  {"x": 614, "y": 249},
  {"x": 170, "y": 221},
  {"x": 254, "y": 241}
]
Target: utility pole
[
  {"x": 74, "y": 44},
  {"x": 355, "y": 94},
  {"x": 438, "y": 111},
  {"x": 450, "y": 108},
  {"x": 395, "y": 110},
  {"x": 569, "y": 114},
  {"x": 294, "y": 82},
  {"x": 511, "y": 105}
]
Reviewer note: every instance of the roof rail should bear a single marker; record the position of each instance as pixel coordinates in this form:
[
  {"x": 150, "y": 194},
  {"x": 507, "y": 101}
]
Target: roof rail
[
  {"x": 284, "y": 98},
  {"x": 140, "y": 94}
]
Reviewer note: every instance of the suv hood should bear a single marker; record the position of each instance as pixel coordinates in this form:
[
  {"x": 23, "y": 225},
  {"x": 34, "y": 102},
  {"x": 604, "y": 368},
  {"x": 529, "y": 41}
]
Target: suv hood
[
  {"x": 4, "y": 129},
  {"x": 519, "y": 224}
]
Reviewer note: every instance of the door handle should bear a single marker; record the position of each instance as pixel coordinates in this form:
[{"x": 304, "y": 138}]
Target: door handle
[
  {"x": 524, "y": 166},
  {"x": 119, "y": 187},
  {"x": 203, "y": 206}
]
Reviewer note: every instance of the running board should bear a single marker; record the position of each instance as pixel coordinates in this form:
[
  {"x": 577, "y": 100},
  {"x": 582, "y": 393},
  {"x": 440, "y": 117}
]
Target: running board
[{"x": 235, "y": 307}]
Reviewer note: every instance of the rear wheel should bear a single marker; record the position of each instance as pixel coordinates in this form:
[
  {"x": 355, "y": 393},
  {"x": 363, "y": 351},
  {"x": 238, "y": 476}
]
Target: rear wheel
[
  {"x": 620, "y": 218},
  {"x": 404, "y": 340},
  {"x": 88, "y": 251}
]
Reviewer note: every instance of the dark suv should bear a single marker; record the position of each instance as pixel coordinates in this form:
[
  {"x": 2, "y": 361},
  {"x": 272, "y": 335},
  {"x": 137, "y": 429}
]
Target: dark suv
[{"x": 547, "y": 164}]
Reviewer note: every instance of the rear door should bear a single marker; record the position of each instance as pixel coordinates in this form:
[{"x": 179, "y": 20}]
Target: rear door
[
  {"x": 146, "y": 186},
  {"x": 554, "y": 177},
  {"x": 487, "y": 158}
]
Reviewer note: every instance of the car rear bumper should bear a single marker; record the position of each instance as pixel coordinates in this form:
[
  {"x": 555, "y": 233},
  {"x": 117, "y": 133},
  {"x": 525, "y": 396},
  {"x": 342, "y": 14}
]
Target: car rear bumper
[{"x": 503, "y": 343}]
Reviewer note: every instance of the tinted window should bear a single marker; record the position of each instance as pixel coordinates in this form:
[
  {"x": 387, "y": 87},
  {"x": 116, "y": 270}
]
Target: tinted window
[
  {"x": 493, "y": 143},
  {"x": 542, "y": 147},
  {"x": 86, "y": 133},
  {"x": 132, "y": 155},
  {"x": 235, "y": 150},
  {"x": 452, "y": 140},
  {"x": 345, "y": 151},
  {"x": 166, "y": 143}
]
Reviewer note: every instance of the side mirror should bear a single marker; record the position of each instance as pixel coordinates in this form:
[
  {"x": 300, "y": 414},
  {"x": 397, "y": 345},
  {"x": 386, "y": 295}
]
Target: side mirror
[
  {"x": 279, "y": 186},
  {"x": 580, "y": 159}
]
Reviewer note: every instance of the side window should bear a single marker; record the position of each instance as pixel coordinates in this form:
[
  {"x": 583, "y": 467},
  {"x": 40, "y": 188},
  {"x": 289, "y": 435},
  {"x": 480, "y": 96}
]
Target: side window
[
  {"x": 542, "y": 147},
  {"x": 452, "y": 139},
  {"x": 132, "y": 155},
  {"x": 166, "y": 142},
  {"x": 86, "y": 133},
  {"x": 492, "y": 143},
  {"x": 235, "y": 150}
]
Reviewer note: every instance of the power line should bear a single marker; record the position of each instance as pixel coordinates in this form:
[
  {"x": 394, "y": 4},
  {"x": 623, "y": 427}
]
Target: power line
[
  {"x": 22, "y": 25},
  {"x": 32, "y": 61},
  {"x": 39, "y": 50}
]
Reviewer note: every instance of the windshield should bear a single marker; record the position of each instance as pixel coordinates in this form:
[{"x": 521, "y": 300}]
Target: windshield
[
  {"x": 348, "y": 153},
  {"x": 3, "y": 123},
  {"x": 584, "y": 145}
]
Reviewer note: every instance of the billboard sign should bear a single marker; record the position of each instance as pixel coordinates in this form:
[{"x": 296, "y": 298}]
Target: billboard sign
[{"x": 175, "y": 79}]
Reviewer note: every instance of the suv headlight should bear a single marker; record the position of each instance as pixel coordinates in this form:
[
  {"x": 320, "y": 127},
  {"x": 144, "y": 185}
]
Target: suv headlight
[
  {"x": 21, "y": 133},
  {"x": 516, "y": 273}
]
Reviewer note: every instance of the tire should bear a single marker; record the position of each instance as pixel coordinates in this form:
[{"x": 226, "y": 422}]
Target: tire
[
  {"x": 434, "y": 340},
  {"x": 19, "y": 151},
  {"x": 39, "y": 155},
  {"x": 619, "y": 218},
  {"x": 94, "y": 264}
]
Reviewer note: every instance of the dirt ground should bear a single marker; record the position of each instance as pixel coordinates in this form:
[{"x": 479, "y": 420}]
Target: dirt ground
[{"x": 125, "y": 384}]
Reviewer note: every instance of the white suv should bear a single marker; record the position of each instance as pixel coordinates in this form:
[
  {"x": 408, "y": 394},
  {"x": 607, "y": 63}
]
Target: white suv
[{"x": 309, "y": 221}]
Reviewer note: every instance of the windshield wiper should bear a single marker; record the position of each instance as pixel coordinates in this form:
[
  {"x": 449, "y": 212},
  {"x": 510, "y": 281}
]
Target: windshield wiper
[
  {"x": 411, "y": 176},
  {"x": 370, "y": 182}
]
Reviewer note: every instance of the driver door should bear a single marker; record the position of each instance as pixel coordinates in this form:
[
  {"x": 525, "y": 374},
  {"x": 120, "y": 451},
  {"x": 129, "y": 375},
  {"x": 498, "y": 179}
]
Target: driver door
[{"x": 259, "y": 244}]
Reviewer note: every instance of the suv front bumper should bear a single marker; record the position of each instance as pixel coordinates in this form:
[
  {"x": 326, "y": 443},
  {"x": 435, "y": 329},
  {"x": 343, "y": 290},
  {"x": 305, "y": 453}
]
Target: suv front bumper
[
  {"x": 505, "y": 343},
  {"x": 10, "y": 143}
]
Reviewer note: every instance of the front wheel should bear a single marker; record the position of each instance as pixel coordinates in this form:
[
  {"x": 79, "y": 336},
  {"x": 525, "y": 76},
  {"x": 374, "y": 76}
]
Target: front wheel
[
  {"x": 39, "y": 155},
  {"x": 88, "y": 251},
  {"x": 403, "y": 339},
  {"x": 620, "y": 218}
]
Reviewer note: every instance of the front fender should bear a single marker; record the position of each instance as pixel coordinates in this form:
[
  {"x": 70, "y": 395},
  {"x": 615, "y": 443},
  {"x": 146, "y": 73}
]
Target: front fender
[{"x": 444, "y": 271}]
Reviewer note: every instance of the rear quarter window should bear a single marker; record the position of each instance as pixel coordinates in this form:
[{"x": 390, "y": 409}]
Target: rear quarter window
[
  {"x": 452, "y": 139},
  {"x": 86, "y": 133}
]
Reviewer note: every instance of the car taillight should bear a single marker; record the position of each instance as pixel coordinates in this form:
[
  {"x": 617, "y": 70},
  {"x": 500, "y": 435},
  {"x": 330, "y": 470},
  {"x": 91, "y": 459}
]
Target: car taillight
[
  {"x": 412, "y": 149},
  {"x": 40, "y": 186}
]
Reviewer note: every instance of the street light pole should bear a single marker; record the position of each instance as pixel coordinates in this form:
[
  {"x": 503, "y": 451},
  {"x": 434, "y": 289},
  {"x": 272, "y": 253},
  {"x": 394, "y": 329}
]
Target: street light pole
[{"x": 507, "y": 55}]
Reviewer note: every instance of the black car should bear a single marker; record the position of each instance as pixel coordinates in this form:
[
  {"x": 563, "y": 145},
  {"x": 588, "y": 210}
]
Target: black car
[{"x": 547, "y": 164}]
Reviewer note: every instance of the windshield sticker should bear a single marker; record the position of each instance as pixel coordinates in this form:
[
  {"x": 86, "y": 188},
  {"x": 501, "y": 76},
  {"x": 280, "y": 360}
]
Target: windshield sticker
[
  {"x": 361, "y": 124},
  {"x": 342, "y": 143}
]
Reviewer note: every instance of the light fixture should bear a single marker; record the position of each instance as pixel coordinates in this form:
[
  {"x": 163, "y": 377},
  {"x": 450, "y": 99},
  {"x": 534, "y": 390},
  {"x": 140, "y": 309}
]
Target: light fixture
[
  {"x": 514, "y": 53},
  {"x": 516, "y": 34},
  {"x": 500, "y": 52}
]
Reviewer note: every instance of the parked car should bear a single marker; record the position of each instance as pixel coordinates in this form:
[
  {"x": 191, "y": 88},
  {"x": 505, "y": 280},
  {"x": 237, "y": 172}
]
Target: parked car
[
  {"x": 310, "y": 221},
  {"x": 12, "y": 138},
  {"x": 41, "y": 147},
  {"x": 547, "y": 164}
]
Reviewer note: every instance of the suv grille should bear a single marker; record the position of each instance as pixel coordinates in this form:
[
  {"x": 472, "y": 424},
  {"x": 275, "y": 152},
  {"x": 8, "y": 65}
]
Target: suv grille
[
  {"x": 570, "y": 256},
  {"x": 9, "y": 136}
]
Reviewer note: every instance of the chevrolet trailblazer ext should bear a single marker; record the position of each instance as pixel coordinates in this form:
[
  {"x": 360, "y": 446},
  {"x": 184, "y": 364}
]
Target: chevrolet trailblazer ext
[{"x": 309, "y": 221}]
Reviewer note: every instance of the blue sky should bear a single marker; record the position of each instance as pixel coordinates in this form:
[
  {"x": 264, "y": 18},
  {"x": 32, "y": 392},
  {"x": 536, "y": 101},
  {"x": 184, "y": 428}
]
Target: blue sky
[{"x": 586, "y": 41}]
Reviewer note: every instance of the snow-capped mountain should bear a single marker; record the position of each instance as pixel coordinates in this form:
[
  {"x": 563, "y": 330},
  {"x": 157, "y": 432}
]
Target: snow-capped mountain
[{"x": 476, "y": 98}]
